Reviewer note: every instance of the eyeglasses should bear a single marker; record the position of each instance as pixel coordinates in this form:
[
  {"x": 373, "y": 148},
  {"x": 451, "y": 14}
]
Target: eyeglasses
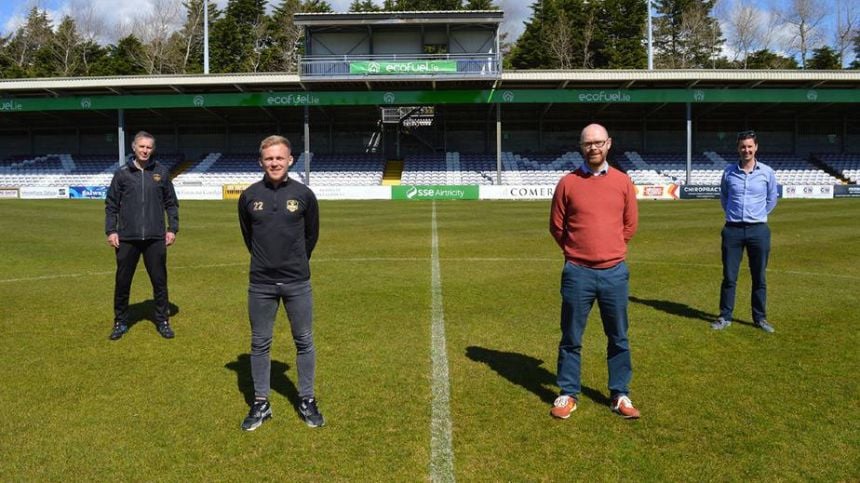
[
  {"x": 746, "y": 135},
  {"x": 594, "y": 144}
]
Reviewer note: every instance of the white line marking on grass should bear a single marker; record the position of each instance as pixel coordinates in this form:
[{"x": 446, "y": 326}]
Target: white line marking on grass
[
  {"x": 111, "y": 272},
  {"x": 441, "y": 450}
]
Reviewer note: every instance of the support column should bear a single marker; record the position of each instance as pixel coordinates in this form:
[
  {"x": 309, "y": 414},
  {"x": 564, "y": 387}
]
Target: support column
[
  {"x": 307, "y": 146},
  {"x": 689, "y": 142},
  {"x": 120, "y": 136},
  {"x": 498, "y": 144},
  {"x": 844, "y": 134},
  {"x": 795, "y": 141}
]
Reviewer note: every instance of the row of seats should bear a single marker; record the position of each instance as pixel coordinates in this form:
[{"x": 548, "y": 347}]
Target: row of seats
[
  {"x": 426, "y": 169},
  {"x": 708, "y": 167},
  {"x": 71, "y": 164}
]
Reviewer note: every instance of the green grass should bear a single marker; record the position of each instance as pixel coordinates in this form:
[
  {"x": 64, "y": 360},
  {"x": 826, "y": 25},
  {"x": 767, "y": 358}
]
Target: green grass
[{"x": 735, "y": 405}]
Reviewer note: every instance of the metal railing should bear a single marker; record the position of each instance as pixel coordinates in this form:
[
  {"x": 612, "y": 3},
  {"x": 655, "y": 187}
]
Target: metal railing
[{"x": 435, "y": 65}]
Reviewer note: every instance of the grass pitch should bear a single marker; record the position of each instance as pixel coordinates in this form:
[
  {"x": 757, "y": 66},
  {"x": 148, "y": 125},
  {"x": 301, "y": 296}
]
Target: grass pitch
[{"x": 734, "y": 405}]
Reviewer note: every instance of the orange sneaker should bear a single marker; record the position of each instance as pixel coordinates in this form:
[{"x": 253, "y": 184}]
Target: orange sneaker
[
  {"x": 563, "y": 406},
  {"x": 623, "y": 406}
]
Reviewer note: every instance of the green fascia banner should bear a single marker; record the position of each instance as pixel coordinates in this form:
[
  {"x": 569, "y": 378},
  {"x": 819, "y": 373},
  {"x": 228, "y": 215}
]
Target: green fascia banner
[
  {"x": 429, "y": 97},
  {"x": 435, "y": 192},
  {"x": 395, "y": 67}
]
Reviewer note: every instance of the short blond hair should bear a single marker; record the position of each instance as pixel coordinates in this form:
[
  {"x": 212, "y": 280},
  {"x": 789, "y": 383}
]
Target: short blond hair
[{"x": 274, "y": 140}]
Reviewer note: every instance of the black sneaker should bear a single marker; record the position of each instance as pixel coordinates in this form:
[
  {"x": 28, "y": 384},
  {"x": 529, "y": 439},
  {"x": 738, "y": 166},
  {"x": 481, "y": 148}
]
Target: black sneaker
[
  {"x": 164, "y": 329},
  {"x": 310, "y": 413},
  {"x": 260, "y": 411},
  {"x": 118, "y": 331}
]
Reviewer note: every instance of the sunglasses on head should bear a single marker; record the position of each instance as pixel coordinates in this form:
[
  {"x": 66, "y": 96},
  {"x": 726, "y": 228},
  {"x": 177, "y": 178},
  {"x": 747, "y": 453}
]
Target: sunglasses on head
[{"x": 746, "y": 135}]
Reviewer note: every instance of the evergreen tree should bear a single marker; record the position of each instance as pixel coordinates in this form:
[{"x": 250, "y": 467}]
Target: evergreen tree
[
  {"x": 186, "y": 45},
  {"x": 124, "y": 58},
  {"x": 316, "y": 6},
  {"x": 239, "y": 38},
  {"x": 765, "y": 59},
  {"x": 686, "y": 35},
  {"x": 91, "y": 54},
  {"x": 624, "y": 34},
  {"x": 34, "y": 35},
  {"x": 65, "y": 50},
  {"x": 530, "y": 52},
  {"x": 286, "y": 38},
  {"x": 480, "y": 5},
  {"x": 421, "y": 5},
  {"x": 824, "y": 58},
  {"x": 579, "y": 34},
  {"x": 8, "y": 69},
  {"x": 363, "y": 6}
]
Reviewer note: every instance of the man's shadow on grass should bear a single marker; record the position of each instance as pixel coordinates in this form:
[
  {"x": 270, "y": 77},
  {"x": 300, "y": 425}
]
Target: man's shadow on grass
[
  {"x": 280, "y": 383},
  {"x": 526, "y": 371},
  {"x": 146, "y": 311},
  {"x": 683, "y": 310}
]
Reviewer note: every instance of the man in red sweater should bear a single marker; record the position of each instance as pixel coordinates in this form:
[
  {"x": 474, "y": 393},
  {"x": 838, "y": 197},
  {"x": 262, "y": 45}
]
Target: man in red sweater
[{"x": 593, "y": 216}]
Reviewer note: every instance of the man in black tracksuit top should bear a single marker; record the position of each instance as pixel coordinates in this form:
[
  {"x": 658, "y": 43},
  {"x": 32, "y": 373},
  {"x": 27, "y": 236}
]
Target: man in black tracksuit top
[
  {"x": 279, "y": 218},
  {"x": 139, "y": 195}
]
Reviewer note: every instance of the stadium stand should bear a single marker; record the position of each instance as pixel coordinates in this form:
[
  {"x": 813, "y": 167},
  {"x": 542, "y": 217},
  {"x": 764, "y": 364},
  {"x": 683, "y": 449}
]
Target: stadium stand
[
  {"x": 791, "y": 169},
  {"x": 451, "y": 168},
  {"x": 708, "y": 167},
  {"x": 846, "y": 165},
  {"x": 65, "y": 169}
]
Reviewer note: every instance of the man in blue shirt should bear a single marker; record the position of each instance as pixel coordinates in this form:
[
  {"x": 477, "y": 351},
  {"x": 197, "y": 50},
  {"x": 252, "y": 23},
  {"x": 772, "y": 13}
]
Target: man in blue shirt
[{"x": 748, "y": 193}]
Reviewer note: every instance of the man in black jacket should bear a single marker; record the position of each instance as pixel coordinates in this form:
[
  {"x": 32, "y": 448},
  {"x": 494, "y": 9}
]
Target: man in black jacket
[
  {"x": 279, "y": 218},
  {"x": 139, "y": 195}
]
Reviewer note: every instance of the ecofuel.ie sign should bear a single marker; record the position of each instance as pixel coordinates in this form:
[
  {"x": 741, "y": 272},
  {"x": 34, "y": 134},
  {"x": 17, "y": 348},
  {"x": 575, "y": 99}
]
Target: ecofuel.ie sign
[
  {"x": 404, "y": 67},
  {"x": 293, "y": 100}
]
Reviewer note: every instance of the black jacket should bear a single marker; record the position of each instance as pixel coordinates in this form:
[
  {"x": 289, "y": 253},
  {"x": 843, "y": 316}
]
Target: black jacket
[
  {"x": 280, "y": 225},
  {"x": 137, "y": 200}
]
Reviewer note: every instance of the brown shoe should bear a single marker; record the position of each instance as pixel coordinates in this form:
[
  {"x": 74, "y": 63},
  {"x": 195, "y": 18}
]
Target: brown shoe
[
  {"x": 563, "y": 406},
  {"x": 623, "y": 406}
]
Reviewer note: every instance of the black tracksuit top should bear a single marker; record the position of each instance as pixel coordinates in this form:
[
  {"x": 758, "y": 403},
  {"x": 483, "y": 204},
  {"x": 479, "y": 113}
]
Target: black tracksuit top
[
  {"x": 280, "y": 225},
  {"x": 137, "y": 200}
]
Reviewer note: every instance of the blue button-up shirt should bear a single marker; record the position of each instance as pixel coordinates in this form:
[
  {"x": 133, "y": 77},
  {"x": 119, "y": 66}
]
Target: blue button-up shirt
[
  {"x": 749, "y": 197},
  {"x": 600, "y": 171}
]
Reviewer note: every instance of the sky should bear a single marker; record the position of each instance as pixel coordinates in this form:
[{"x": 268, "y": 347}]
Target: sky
[
  {"x": 120, "y": 15},
  {"x": 118, "y": 12}
]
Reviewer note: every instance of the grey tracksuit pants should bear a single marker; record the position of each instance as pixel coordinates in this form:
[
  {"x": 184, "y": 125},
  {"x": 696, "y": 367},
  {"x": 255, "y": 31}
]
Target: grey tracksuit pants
[{"x": 263, "y": 302}]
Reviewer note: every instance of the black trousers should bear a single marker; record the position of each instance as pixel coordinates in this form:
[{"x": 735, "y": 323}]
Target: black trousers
[{"x": 155, "y": 259}]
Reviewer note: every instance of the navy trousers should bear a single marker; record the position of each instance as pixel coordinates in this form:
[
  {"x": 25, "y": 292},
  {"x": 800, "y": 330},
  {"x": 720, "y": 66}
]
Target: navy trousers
[
  {"x": 755, "y": 238},
  {"x": 580, "y": 287}
]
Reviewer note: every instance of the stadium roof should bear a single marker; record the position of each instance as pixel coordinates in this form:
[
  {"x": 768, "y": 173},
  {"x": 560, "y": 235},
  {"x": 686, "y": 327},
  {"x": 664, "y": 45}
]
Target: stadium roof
[
  {"x": 335, "y": 19},
  {"x": 529, "y": 79},
  {"x": 780, "y": 95}
]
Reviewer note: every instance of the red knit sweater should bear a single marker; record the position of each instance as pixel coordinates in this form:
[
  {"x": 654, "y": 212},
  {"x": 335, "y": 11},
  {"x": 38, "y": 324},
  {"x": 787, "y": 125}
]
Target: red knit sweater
[{"x": 593, "y": 217}]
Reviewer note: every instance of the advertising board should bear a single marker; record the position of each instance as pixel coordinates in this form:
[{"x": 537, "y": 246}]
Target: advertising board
[
  {"x": 191, "y": 192},
  {"x": 8, "y": 193},
  {"x": 517, "y": 192},
  {"x": 43, "y": 192},
  {"x": 435, "y": 192},
  {"x": 808, "y": 191},
  {"x": 88, "y": 192},
  {"x": 699, "y": 192},
  {"x": 846, "y": 191},
  {"x": 352, "y": 192},
  {"x": 657, "y": 192}
]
